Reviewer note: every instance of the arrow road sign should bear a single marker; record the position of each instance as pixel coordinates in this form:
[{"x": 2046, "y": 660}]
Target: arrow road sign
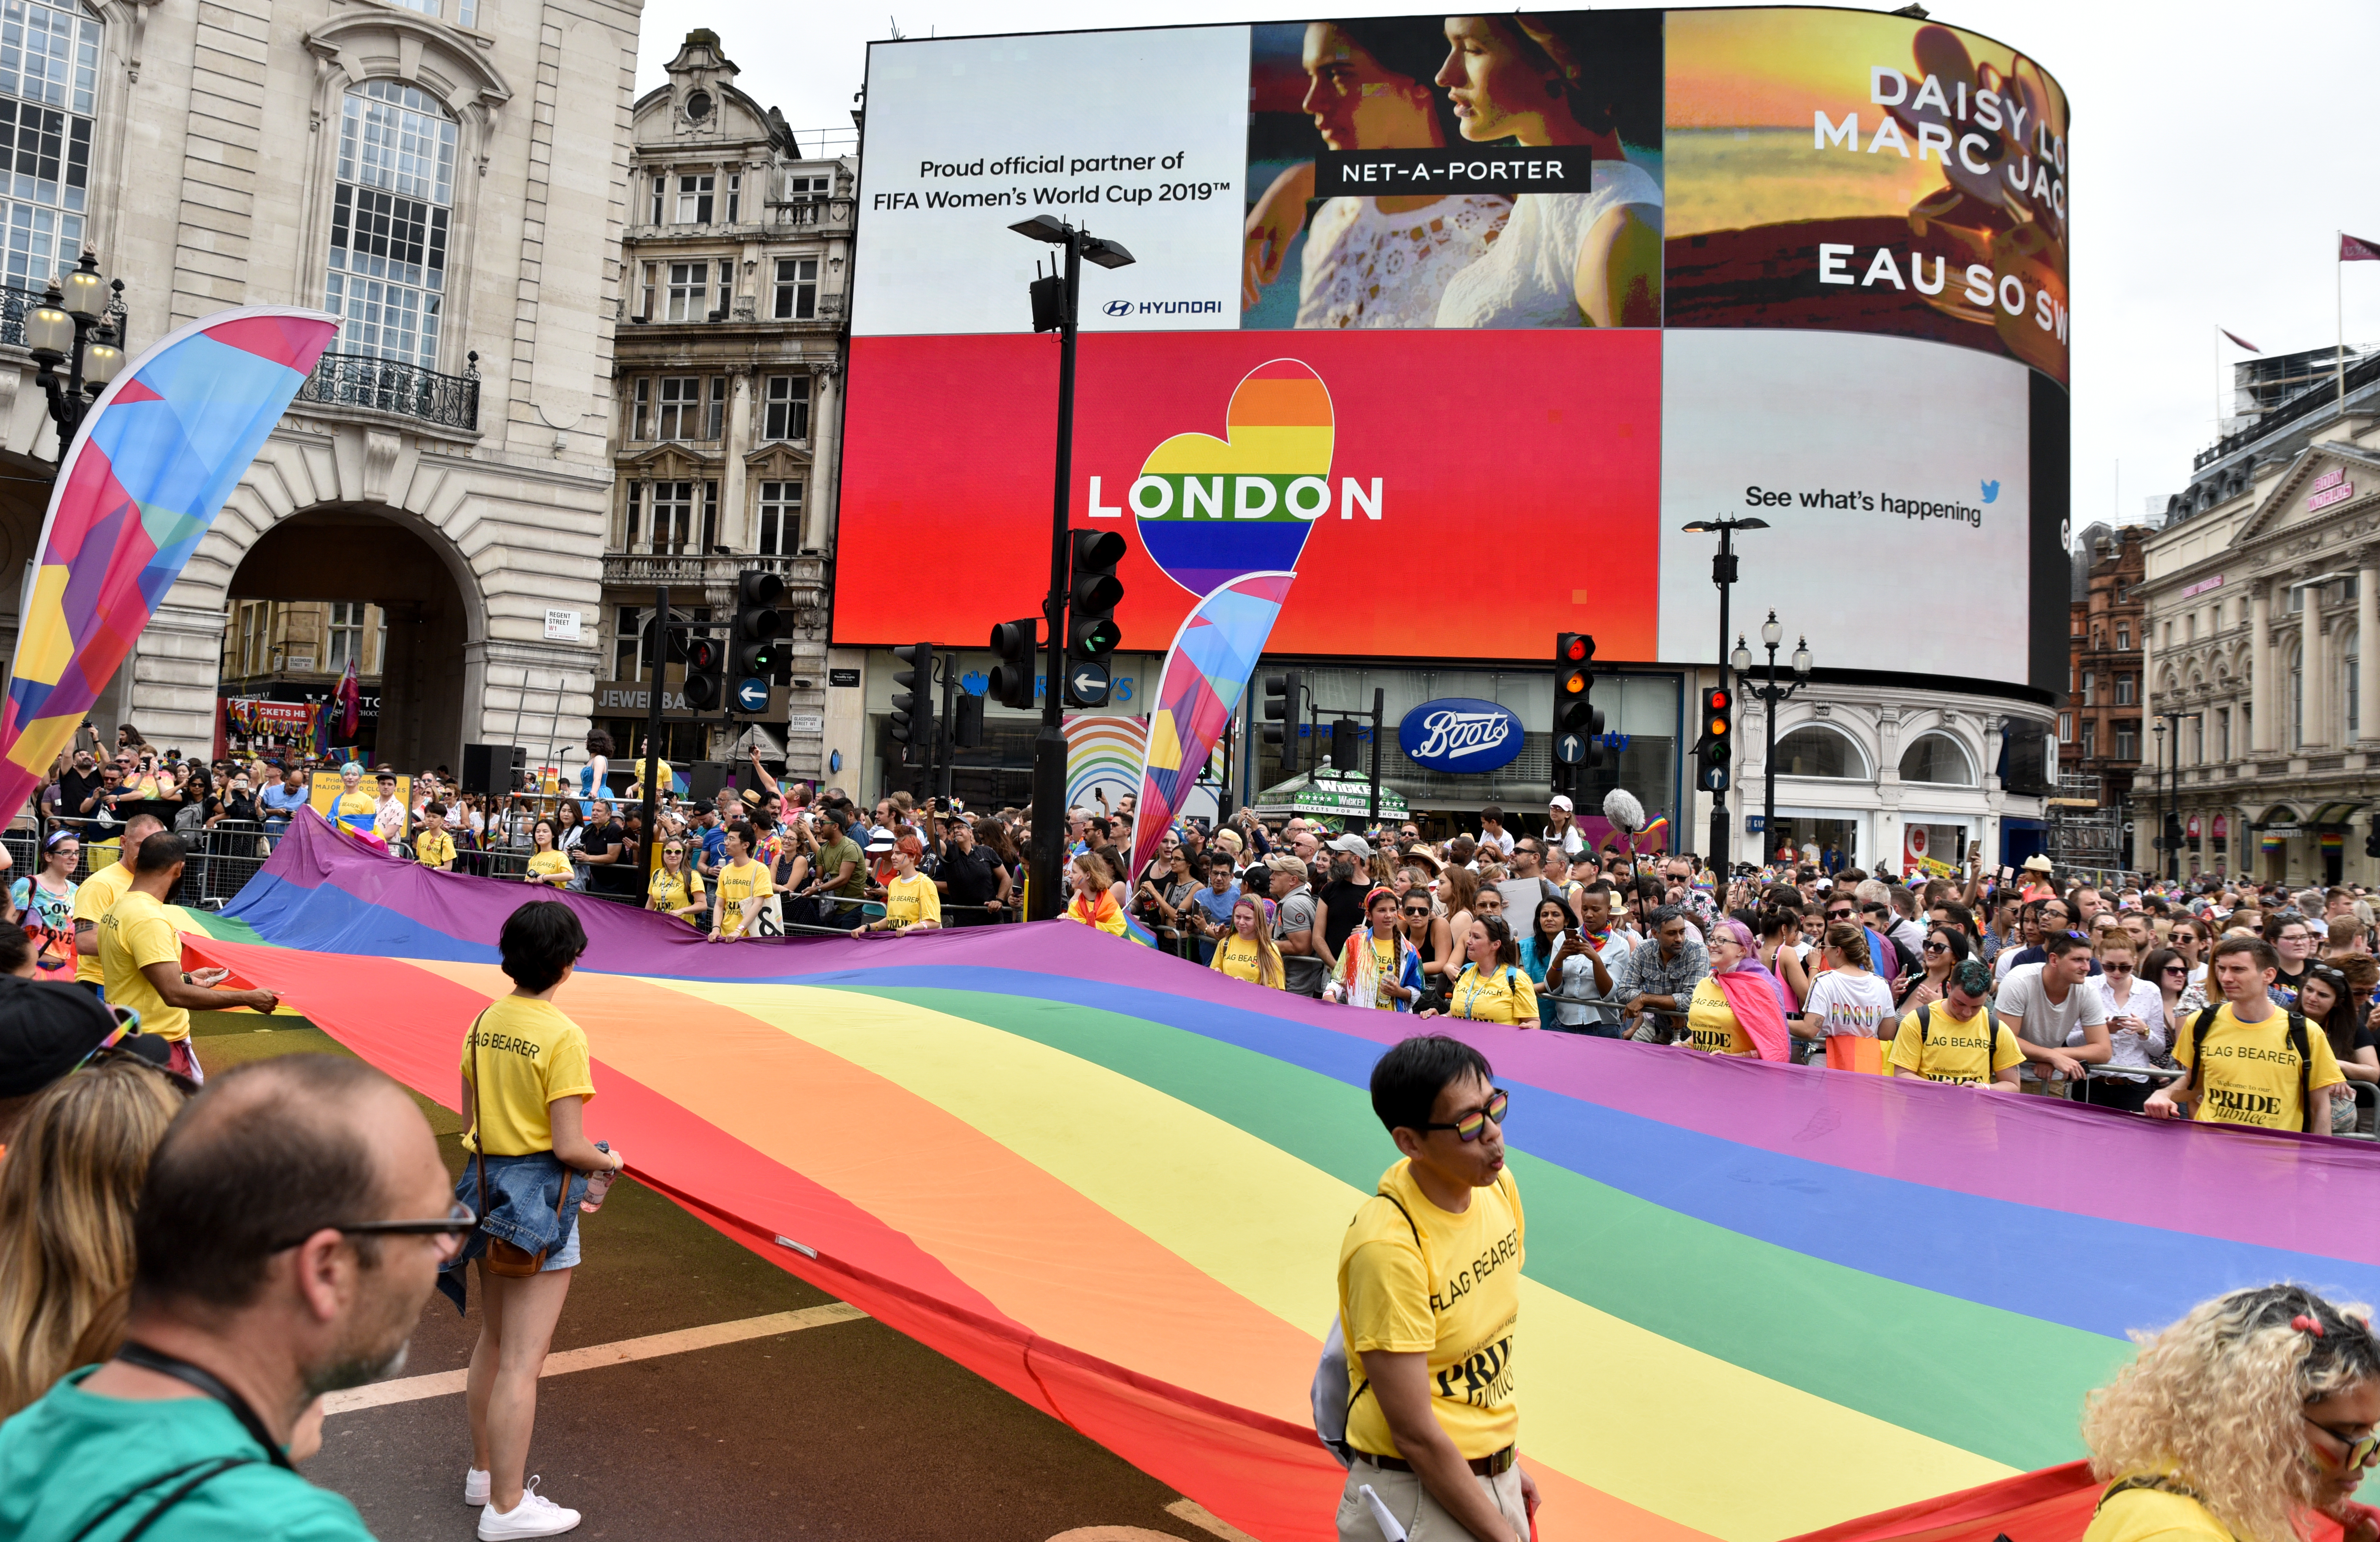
[
  {"x": 752, "y": 695},
  {"x": 1569, "y": 748},
  {"x": 1087, "y": 684}
]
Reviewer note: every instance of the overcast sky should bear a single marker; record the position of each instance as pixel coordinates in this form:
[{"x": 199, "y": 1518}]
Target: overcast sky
[{"x": 2217, "y": 148}]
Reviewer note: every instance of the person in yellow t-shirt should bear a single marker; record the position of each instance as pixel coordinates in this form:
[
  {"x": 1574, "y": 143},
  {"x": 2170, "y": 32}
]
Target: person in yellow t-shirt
[
  {"x": 141, "y": 954},
  {"x": 2257, "y": 1407},
  {"x": 1957, "y": 1038},
  {"x": 1712, "y": 1021},
  {"x": 911, "y": 903},
  {"x": 433, "y": 847},
  {"x": 354, "y": 811},
  {"x": 741, "y": 891},
  {"x": 1429, "y": 1298},
  {"x": 676, "y": 889},
  {"x": 525, "y": 1082},
  {"x": 98, "y": 896},
  {"x": 2243, "y": 1068},
  {"x": 1492, "y": 986},
  {"x": 1247, "y": 953},
  {"x": 547, "y": 865}
]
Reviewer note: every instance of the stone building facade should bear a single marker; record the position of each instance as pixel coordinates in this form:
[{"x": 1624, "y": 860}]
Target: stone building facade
[
  {"x": 451, "y": 180},
  {"x": 2101, "y": 735},
  {"x": 2259, "y": 591},
  {"x": 730, "y": 350}
]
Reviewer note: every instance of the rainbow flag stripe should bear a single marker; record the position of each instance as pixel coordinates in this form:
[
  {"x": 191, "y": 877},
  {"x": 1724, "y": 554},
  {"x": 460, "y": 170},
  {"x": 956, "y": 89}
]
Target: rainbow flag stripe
[{"x": 1759, "y": 1299}]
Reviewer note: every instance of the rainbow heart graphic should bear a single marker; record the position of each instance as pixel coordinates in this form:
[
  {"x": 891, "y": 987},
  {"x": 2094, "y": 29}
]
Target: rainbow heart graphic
[{"x": 1211, "y": 510}]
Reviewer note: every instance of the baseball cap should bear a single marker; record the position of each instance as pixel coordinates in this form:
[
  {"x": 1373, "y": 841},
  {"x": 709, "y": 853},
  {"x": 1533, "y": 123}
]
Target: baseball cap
[
  {"x": 46, "y": 1031},
  {"x": 1352, "y": 844},
  {"x": 881, "y": 846},
  {"x": 1560, "y": 801}
]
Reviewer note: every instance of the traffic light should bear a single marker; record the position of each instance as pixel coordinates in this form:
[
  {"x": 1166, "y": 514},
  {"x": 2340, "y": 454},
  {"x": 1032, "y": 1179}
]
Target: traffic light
[
  {"x": 753, "y": 650},
  {"x": 1717, "y": 746},
  {"x": 1345, "y": 745},
  {"x": 967, "y": 721},
  {"x": 2371, "y": 842},
  {"x": 1284, "y": 710},
  {"x": 913, "y": 696},
  {"x": 1091, "y": 630},
  {"x": 1012, "y": 678},
  {"x": 705, "y": 683},
  {"x": 1574, "y": 711}
]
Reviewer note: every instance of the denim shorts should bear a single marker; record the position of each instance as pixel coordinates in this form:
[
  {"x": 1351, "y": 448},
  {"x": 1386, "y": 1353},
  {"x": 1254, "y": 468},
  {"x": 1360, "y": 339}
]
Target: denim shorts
[{"x": 565, "y": 1256}]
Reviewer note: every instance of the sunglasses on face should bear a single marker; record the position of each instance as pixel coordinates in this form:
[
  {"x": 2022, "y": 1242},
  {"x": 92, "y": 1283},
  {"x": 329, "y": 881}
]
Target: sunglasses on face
[
  {"x": 1838, "y": 914},
  {"x": 2181, "y": 969},
  {"x": 1472, "y": 1125},
  {"x": 1933, "y": 946},
  {"x": 2360, "y": 1448}
]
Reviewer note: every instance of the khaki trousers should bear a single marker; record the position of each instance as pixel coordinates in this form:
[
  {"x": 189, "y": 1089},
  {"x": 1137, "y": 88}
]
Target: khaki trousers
[{"x": 1423, "y": 1518}]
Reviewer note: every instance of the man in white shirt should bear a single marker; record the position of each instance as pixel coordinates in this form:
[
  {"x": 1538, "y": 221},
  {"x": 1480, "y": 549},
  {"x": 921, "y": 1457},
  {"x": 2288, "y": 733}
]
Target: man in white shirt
[
  {"x": 2043, "y": 1003},
  {"x": 388, "y": 819}
]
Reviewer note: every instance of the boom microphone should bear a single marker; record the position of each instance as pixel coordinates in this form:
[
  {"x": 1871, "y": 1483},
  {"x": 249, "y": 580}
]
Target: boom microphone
[{"x": 1620, "y": 806}]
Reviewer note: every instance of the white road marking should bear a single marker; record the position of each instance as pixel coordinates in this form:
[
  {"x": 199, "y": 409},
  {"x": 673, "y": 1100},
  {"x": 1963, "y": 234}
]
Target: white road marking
[{"x": 441, "y": 1384}]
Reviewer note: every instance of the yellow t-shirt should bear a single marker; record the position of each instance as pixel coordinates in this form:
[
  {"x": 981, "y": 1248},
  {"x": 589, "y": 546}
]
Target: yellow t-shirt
[
  {"x": 529, "y": 1055},
  {"x": 134, "y": 933},
  {"x": 1713, "y": 1023},
  {"x": 547, "y": 864},
  {"x": 738, "y": 884},
  {"x": 1501, "y": 997},
  {"x": 1241, "y": 959},
  {"x": 434, "y": 848},
  {"x": 94, "y": 900},
  {"x": 1385, "y": 961},
  {"x": 1952, "y": 1050},
  {"x": 2252, "y": 1077},
  {"x": 1456, "y": 1297},
  {"x": 356, "y": 811},
  {"x": 2154, "y": 1515},
  {"x": 912, "y": 899},
  {"x": 675, "y": 892}
]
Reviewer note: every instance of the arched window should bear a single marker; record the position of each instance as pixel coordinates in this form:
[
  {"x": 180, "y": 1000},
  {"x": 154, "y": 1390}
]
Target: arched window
[
  {"x": 1938, "y": 758},
  {"x": 49, "y": 87},
  {"x": 1811, "y": 750},
  {"x": 389, "y": 221}
]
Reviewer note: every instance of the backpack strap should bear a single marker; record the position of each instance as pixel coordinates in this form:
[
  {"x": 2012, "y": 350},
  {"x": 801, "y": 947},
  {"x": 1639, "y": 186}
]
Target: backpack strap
[
  {"x": 195, "y": 1473},
  {"x": 2163, "y": 1483},
  {"x": 1924, "y": 1021},
  {"x": 1356, "y": 1396},
  {"x": 2299, "y": 1045},
  {"x": 2199, "y": 1024}
]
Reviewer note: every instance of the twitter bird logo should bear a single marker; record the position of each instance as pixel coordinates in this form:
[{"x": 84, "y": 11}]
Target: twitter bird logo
[{"x": 1991, "y": 491}]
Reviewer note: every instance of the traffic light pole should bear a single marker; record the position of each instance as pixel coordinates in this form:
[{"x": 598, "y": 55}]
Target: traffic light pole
[
  {"x": 1723, "y": 575},
  {"x": 1048, "y": 855},
  {"x": 653, "y": 728}
]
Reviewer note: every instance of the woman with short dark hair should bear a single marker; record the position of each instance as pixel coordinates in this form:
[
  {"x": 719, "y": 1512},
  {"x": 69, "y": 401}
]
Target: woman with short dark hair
[{"x": 526, "y": 1078}]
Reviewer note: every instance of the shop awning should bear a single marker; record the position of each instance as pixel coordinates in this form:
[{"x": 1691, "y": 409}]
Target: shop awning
[
  {"x": 2334, "y": 814},
  {"x": 2278, "y": 815},
  {"x": 1335, "y": 797}
]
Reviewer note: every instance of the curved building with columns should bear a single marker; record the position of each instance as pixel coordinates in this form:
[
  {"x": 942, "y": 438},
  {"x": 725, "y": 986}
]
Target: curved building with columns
[
  {"x": 450, "y": 179},
  {"x": 2261, "y": 591}
]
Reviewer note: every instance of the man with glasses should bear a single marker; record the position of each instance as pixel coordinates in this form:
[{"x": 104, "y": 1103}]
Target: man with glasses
[
  {"x": 1429, "y": 1296},
  {"x": 1527, "y": 886},
  {"x": 289, "y": 1230}
]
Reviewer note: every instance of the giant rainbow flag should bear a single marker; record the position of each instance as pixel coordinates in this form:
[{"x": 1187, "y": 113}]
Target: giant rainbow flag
[
  {"x": 148, "y": 471},
  {"x": 1759, "y": 1300}
]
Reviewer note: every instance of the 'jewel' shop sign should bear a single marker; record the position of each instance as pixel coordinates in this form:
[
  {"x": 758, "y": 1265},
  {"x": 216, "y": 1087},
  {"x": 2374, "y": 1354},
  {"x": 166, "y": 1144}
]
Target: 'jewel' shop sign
[{"x": 1461, "y": 734}]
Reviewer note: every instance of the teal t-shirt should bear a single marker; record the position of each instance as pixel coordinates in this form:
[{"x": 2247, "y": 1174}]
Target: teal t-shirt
[{"x": 67, "y": 1457}]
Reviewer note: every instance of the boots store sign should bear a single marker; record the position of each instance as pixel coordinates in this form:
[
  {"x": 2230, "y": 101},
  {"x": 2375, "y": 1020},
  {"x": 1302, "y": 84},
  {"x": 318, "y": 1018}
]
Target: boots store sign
[{"x": 1460, "y": 734}]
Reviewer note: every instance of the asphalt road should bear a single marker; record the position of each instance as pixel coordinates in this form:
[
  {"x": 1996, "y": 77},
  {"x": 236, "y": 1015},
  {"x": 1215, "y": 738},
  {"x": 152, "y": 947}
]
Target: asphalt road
[{"x": 843, "y": 1429}]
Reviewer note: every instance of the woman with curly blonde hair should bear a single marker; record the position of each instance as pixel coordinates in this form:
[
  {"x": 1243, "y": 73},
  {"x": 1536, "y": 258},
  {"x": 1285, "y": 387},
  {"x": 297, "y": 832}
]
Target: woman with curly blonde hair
[
  {"x": 2241, "y": 1421},
  {"x": 67, "y": 1191}
]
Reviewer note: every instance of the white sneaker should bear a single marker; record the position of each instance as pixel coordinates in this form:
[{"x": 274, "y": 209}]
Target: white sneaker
[
  {"x": 475, "y": 1486},
  {"x": 535, "y": 1516}
]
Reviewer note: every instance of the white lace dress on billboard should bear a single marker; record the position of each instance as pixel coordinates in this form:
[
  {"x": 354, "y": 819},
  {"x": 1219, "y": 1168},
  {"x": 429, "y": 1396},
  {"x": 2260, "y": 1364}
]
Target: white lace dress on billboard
[
  {"x": 1529, "y": 278},
  {"x": 1363, "y": 268}
]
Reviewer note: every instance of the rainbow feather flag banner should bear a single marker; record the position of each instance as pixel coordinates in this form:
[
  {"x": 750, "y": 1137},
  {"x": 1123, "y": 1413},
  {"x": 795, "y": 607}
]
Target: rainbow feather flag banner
[
  {"x": 1206, "y": 674},
  {"x": 1759, "y": 1299},
  {"x": 157, "y": 454}
]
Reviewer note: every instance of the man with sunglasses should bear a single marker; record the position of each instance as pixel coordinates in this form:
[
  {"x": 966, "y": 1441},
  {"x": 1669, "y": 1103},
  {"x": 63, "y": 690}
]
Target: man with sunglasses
[
  {"x": 1429, "y": 1295},
  {"x": 289, "y": 1231}
]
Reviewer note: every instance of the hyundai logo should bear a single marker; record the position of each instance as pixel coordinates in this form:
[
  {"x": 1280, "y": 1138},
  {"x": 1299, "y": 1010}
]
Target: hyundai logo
[{"x": 1118, "y": 308}]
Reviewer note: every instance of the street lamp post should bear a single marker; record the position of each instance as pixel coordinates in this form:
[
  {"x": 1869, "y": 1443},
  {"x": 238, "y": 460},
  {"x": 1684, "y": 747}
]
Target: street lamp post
[
  {"x": 71, "y": 327},
  {"x": 1723, "y": 575},
  {"x": 1772, "y": 696},
  {"x": 1057, "y": 307}
]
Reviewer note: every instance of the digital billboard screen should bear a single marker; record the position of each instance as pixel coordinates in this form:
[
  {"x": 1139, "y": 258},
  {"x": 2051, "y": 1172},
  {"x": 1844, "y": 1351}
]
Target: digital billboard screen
[{"x": 1465, "y": 316}]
